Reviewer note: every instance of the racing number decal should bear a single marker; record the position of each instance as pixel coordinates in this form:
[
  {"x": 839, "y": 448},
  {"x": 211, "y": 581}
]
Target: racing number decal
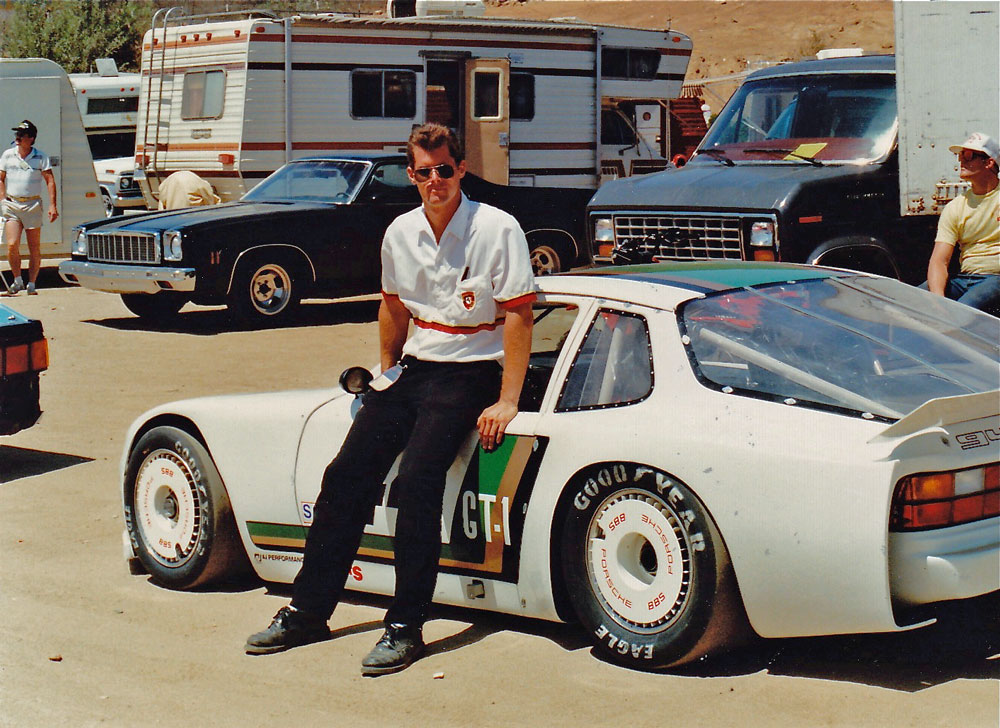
[{"x": 481, "y": 527}]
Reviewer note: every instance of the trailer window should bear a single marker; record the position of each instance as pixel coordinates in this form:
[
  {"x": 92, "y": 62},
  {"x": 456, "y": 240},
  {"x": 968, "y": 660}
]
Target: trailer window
[
  {"x": 203, "y": 94},
  {"x": 522, "y": 96},
  {"x": 629, "y": 62},
  {"x": 113, "y": 105},
  {"x": 486, "y": 89},
  {"x": 383, "y": 94}
]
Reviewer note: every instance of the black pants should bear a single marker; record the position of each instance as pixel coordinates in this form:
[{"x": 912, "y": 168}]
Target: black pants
[{"x": 428, "y": 412}]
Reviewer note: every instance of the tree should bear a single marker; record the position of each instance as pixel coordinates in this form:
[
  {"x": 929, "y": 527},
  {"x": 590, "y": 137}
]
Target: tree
[{"x": 74, "y": 34}]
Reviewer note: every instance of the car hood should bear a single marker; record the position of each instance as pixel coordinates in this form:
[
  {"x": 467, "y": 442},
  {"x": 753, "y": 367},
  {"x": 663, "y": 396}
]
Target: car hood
[
  {"x": 204, "y": 216},
  {"x": 114, "y": 165},
  {"x": 712, "y": 185}
]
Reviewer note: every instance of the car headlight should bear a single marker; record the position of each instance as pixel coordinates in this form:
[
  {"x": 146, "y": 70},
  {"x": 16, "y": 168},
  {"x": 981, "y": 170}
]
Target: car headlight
[
  {"x": 604, "y": 230},
  {"x": 125, "y": 182},
  {"x": 79, "y": 241},
  {"x": 604, "y": 237},
  {"x": 762, "y": 235},
  {"x": 172, "y": 245}
]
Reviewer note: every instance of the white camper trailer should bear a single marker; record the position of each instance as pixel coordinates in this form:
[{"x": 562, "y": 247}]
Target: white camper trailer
[
  {"x": 39, "y": 90},
  {"x": 109, "y": 103},
  {"x": 233, "y": 100}
]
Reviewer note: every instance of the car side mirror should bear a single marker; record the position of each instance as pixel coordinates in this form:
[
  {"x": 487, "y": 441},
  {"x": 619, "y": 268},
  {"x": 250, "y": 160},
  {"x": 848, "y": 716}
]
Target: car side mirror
[{"x": 355, "y": 380}]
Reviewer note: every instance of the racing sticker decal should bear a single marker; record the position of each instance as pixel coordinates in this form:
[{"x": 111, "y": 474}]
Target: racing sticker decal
[{"x": 482, "y": 520}]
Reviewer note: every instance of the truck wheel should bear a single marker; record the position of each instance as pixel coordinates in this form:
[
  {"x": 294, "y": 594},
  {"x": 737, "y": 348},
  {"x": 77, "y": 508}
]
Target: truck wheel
[
  {"x": 545, "y": 260},
  {"x": 109, "y": 206},
  {"x": 177, "y": 512},
  {"x": 154, "y": 306},
  {"x": 264, "y": 290},
  {"x": 644, "y": 567}
]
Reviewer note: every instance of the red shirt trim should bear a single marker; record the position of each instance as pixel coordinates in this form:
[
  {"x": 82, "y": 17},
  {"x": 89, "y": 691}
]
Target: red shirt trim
[
  {"x": 515, "y": 302},
  {"x": 445, "y": 328}
]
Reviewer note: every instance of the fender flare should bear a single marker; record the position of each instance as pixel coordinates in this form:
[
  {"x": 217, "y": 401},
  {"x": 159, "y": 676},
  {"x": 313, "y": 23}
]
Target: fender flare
[
  {"x": 244, "y": 253},
  {"x": 867, "y": 246},
  {"x": 549, "y": 233}
]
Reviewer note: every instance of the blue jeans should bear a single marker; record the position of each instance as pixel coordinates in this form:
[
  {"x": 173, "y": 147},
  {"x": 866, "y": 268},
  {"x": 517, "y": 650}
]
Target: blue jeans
[{"x": 979, "y": 290}]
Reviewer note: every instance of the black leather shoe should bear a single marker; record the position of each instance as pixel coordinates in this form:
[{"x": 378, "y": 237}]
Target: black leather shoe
[
  {"x": 399, "y": 646},
  {"x": 289, "y": 628}
]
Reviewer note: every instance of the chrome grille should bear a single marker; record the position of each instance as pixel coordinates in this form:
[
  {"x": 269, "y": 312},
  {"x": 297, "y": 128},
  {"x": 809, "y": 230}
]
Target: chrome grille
[
  {"x": 680, "y": 237},
  {"x": 123, "y": 248}
]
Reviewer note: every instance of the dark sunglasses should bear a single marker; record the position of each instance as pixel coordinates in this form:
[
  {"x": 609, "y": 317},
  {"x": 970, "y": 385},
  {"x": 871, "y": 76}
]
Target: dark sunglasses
[
  {"x": 967, "y": 155},
  {"x": 445, "y": 171}
]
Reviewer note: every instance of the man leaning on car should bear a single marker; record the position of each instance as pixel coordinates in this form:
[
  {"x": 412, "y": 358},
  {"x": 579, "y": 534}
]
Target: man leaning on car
[{"x": 460, "y": 271}]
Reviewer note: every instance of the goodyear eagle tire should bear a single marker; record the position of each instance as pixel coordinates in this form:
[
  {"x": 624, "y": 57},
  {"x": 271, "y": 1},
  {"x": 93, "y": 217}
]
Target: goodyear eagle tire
[
  {"x": 177, "y": 512},
  {"x": 645, "y": 567}
]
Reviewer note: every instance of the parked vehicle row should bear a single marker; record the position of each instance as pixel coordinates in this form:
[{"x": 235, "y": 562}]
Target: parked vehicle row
[{"x": 312, "y": 229}]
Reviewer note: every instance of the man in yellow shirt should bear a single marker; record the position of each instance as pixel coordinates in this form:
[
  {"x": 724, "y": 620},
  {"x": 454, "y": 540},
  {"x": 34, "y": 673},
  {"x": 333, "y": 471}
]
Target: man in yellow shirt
[{"x": 972, "y": 222}]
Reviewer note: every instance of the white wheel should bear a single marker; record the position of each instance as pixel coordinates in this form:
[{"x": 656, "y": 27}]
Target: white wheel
[{"x": 638, "y": 561}]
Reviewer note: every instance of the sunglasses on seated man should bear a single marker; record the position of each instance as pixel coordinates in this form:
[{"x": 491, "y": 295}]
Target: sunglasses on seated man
[
  {"x": 967, "y": 155},
  {"x": 445, "y": 171}
]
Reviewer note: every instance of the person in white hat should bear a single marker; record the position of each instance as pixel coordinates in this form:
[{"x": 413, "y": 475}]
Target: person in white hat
[
  {"x": 972, "y": 223},
  {"x": 23, "y": 171}
]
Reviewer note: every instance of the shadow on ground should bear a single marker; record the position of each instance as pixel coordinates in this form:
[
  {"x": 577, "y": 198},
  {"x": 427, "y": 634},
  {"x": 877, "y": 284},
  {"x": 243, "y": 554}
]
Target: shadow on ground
[
  {"x": 19, "y": 462},
  {"x": 208, "y": 321},
  {"x": 963, "y": 645}
]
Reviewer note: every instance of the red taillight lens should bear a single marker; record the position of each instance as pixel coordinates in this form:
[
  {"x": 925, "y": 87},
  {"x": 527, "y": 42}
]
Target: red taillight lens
[
  {"x": 21, "y": 358},
  {"x": 40, "y": 355},
  {"x": 935, "y": 500},
  {"x": 15, "y": 359}
]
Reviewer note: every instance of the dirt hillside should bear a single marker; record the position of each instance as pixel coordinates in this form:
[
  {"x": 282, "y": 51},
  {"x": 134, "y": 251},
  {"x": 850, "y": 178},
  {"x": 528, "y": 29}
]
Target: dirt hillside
[{"x": 731, "y": 35}]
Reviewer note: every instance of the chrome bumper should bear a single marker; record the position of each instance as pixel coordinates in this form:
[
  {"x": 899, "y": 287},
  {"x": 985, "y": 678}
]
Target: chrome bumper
[
  {"x": 945, "y": 563},
  {"x": 126, "y": 278},
  {"x": 135, "y": 200}
]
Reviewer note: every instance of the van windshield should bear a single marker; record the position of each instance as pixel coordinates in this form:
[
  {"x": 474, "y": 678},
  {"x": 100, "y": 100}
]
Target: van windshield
[
  {"x": 818, "y": 118},
  {"x": 314, "y": 180}
]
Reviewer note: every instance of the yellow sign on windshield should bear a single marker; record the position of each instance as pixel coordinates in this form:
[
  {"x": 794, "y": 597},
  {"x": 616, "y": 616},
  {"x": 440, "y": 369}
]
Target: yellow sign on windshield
[{"x": 807, "y": 151}]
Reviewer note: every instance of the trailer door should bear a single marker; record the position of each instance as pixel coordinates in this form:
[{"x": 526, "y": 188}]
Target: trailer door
[{"x": 487, "y": 118}]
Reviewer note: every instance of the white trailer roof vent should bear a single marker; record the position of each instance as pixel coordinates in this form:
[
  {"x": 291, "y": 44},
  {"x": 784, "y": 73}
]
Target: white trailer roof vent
[
  {"x": 839, "y": 53},
  {"x": 427, "y": 8}
]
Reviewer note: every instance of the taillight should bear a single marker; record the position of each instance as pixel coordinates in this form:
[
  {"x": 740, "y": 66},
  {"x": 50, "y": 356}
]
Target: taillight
[
  {"x": 21, "y": 358},
  {"x": 935, "y": 500}
]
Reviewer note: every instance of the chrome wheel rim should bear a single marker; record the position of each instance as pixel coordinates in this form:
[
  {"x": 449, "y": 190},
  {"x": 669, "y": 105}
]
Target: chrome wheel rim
[
  {"x": 544, "y": 260},
  {"x": 270, "y": 289}
]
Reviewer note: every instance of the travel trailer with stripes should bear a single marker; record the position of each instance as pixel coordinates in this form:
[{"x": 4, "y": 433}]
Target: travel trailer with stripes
[{"x": 538, "y": 104}]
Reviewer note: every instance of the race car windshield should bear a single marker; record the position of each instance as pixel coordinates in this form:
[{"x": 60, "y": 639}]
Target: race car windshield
[
  {"x": 333, "y": 180},
  {"x": 870, "y": 345},
  {"x": 807, "y": 119}
]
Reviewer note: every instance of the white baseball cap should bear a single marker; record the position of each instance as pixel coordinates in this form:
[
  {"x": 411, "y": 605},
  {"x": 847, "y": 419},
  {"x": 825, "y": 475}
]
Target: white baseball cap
[{"x": 979, "y": 142}]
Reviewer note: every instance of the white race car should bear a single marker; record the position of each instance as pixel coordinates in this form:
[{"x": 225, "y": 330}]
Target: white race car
[{"x": 700, "y": 447}]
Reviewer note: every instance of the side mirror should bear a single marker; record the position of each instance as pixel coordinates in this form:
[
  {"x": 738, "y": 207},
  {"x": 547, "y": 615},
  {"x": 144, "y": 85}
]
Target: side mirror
[{"x": 355, "y": 380}]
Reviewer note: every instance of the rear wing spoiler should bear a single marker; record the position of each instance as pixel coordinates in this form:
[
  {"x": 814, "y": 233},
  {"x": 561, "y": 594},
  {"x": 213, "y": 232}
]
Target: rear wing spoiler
[{"x": 945, "y": 411}]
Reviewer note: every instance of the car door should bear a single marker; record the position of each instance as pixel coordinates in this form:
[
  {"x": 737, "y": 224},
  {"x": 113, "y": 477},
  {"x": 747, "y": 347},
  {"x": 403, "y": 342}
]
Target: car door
[
  {"x": 486, "y": 493},
  {"x": 353, "y": 263}
]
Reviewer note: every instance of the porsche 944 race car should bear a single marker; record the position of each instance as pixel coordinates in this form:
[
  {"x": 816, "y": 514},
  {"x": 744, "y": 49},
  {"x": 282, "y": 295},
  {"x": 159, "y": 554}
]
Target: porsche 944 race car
[{"x": 700, "y": 446}]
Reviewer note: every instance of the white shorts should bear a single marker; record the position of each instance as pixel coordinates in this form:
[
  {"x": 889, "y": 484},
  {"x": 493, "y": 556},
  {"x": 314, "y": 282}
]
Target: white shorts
[{"x": 28, "y": 212}]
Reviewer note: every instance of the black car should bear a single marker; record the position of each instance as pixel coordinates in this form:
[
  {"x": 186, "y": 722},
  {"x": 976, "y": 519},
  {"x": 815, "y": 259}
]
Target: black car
[
  {"x": 313, "y": 228},
  {"x": 24, "y": 353}
]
